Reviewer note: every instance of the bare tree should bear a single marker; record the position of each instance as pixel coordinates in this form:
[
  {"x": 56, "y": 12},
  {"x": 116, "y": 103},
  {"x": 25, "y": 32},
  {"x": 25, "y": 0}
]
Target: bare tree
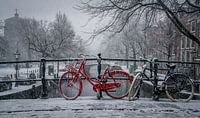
[
  {"x": 119, "y": 13},
  {"x": 134, "y": 37},
  {"x": 36, "y": 34},
  {"x": 3, "y": 48},
  {"x": 129, "y": 43},
  {"x": 168, "y": 39},
  {"x": 79, "y": 47},
  {"x": 113, "y": 48},
  {"x": 48, "y": 39},
  {"x": 63, "y": 36}
]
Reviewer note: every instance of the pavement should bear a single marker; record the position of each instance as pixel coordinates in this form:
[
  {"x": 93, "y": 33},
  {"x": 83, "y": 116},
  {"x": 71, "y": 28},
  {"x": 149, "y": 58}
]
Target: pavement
[{"x": 90, "y": 107}]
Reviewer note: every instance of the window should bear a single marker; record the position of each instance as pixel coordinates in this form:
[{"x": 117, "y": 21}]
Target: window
[
  {"x": 193, "y": 26},
  {"x": 198, "y": 51},
  {"x": 197, "y": 2},
  {"x": 192, "y": 44},
  {"x": 188, "y": 43},
  {"x": 173, "y": 50},
  {"x": 188, "y": 56},
  {"x": 183, "y": 42},
  {"x": 199, "y": 28},
  {"x": 183, "y": 55}
]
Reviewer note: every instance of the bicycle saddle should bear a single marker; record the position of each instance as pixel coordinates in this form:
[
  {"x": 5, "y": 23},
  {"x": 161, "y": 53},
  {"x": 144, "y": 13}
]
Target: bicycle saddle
[{"x": 171, "y": 66}]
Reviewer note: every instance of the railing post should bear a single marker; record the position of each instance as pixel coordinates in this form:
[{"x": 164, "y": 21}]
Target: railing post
[
  {"x": 198, "y": 85},
  {"x": 99, "y": 65},
  {"x": 155, "y": 84},
  {"x": 99, "y": 73},
  {"x": 151, "y": 68},
  {"x": 44, "y": 84}
]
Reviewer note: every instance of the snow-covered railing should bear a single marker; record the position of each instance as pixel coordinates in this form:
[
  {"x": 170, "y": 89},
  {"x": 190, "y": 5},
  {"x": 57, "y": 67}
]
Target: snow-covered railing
[{"x": 43, "y": 62}]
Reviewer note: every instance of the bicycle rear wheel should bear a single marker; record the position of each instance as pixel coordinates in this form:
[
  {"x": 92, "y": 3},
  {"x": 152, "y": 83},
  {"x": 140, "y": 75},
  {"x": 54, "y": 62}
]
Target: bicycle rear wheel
[
  {"x": 121, "y": 77},
  {"x": 135, "y": 86},
  {"x": 179, "y": 87},
  {"x": 70, "y": 85}
]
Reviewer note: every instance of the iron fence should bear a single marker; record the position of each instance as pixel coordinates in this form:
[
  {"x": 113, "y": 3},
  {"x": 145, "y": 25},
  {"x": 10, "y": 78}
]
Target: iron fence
[{"x": 120, "y": 61}]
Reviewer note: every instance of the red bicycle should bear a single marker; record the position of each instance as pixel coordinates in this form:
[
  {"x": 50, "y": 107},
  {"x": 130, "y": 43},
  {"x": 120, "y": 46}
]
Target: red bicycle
[{"x": 114, "y": 83}]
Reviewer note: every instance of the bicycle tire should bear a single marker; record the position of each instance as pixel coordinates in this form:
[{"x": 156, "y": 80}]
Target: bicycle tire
[
  {"x": 70, "y": 85},
  {"x": 179, "y": 87},
  {"x": 122, "y": 91},
  {"x": 135, "y": 86}
]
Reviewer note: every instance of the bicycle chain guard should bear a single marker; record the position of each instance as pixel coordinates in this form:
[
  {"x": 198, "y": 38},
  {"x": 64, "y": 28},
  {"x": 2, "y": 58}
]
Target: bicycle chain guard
[{"x": 105, "y": 86}]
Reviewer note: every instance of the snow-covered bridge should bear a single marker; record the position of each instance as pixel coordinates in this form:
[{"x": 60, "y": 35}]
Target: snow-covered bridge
[{"x": 90, "y": 107}]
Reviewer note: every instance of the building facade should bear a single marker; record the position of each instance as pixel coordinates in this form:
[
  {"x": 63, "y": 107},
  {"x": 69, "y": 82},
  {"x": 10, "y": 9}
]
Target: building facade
[{"x": 190, "y": 50}]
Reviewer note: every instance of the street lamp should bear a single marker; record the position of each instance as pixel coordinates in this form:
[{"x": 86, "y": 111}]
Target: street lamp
[{"x": 17, "y": 54}]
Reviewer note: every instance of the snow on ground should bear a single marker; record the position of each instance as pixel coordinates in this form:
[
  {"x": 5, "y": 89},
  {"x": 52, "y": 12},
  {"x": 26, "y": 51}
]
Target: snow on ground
[
  {"x": 90, "y": 107},
  {"x": 20, "y": 88},
  {"x": 7, "y": 71}
]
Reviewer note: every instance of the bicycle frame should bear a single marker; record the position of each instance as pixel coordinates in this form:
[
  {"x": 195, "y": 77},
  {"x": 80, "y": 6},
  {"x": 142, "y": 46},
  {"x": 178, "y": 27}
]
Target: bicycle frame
[
  {"x": 97, "y": 84},
  {"x": 158, "y": 89},
  {"x": 170, "y": 85},
  {"x": 110, "y": 82}
]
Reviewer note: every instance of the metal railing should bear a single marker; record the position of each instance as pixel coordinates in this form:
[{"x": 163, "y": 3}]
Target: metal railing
[{"x": 99, "y": 60}]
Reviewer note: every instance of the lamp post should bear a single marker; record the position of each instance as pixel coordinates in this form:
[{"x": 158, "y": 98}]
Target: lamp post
[{"x": 17, "y": 54}]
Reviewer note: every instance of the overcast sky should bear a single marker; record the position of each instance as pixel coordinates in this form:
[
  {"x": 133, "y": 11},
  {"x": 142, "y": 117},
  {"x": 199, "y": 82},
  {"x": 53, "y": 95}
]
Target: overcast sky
[{"x": 46, "y": 10}]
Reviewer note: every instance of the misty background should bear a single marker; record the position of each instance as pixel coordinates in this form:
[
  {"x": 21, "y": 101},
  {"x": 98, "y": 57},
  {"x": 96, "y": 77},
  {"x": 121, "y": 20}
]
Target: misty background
[{"x": 47, "y": 10}]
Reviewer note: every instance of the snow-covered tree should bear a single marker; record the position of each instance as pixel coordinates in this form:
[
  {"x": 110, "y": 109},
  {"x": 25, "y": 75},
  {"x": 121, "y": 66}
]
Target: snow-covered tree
[
  {"x": 63, "y": 37},
  {"x": 54, "y": 40},
  {"x": 119, "y": 13},
  {"x": 37, "y": 36},
  {"x": 3, "y": 48}
]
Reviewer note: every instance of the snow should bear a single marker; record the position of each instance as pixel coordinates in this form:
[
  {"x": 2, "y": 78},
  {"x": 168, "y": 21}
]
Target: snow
[
  {"x": 90, "y": 107},
  {"x": 125, "y": 68},
  {"x": 22, "y": 71},
  {"x": 20, "y": 88},
  {"x": 7, "y": 71}
]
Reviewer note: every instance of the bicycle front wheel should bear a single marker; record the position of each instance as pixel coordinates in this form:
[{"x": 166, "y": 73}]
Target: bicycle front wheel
[
  {"x": 70, "y": 85},
  {"x": 121, "y": 77},
  {"x": 179, "y": 87},
  {"x": 134, "y": 89}
]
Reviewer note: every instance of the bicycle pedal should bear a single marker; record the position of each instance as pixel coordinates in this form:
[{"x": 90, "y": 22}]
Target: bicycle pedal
[
  {"x": 103, "y": 81},
  {"x": 156, "y": 98}
]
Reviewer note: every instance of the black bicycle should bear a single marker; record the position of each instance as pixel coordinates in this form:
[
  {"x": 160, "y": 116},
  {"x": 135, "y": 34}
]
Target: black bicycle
[{"x": 177, "y": 86}]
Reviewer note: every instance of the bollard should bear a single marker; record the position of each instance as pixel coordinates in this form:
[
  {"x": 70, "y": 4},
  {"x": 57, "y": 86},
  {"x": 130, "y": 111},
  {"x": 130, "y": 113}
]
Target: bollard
[
  {"x": 33, "y": 92},
  {"x": 44, "y": 83}
]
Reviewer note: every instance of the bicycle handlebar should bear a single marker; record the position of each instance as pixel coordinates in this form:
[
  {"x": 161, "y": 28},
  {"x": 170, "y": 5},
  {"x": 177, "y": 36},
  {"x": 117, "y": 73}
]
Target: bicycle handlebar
[
  {"x": 83, "y": 55},
  {"x": 150, "y": 60},
  {"x": 98, "y": 60}
]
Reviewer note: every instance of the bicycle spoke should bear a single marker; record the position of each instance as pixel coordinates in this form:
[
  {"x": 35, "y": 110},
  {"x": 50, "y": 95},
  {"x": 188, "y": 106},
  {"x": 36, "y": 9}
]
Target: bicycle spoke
[
  {"x": 123, "y": 78},
  {"x": 179, "y": 88},
  {"x": 70, "y": 87}
]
